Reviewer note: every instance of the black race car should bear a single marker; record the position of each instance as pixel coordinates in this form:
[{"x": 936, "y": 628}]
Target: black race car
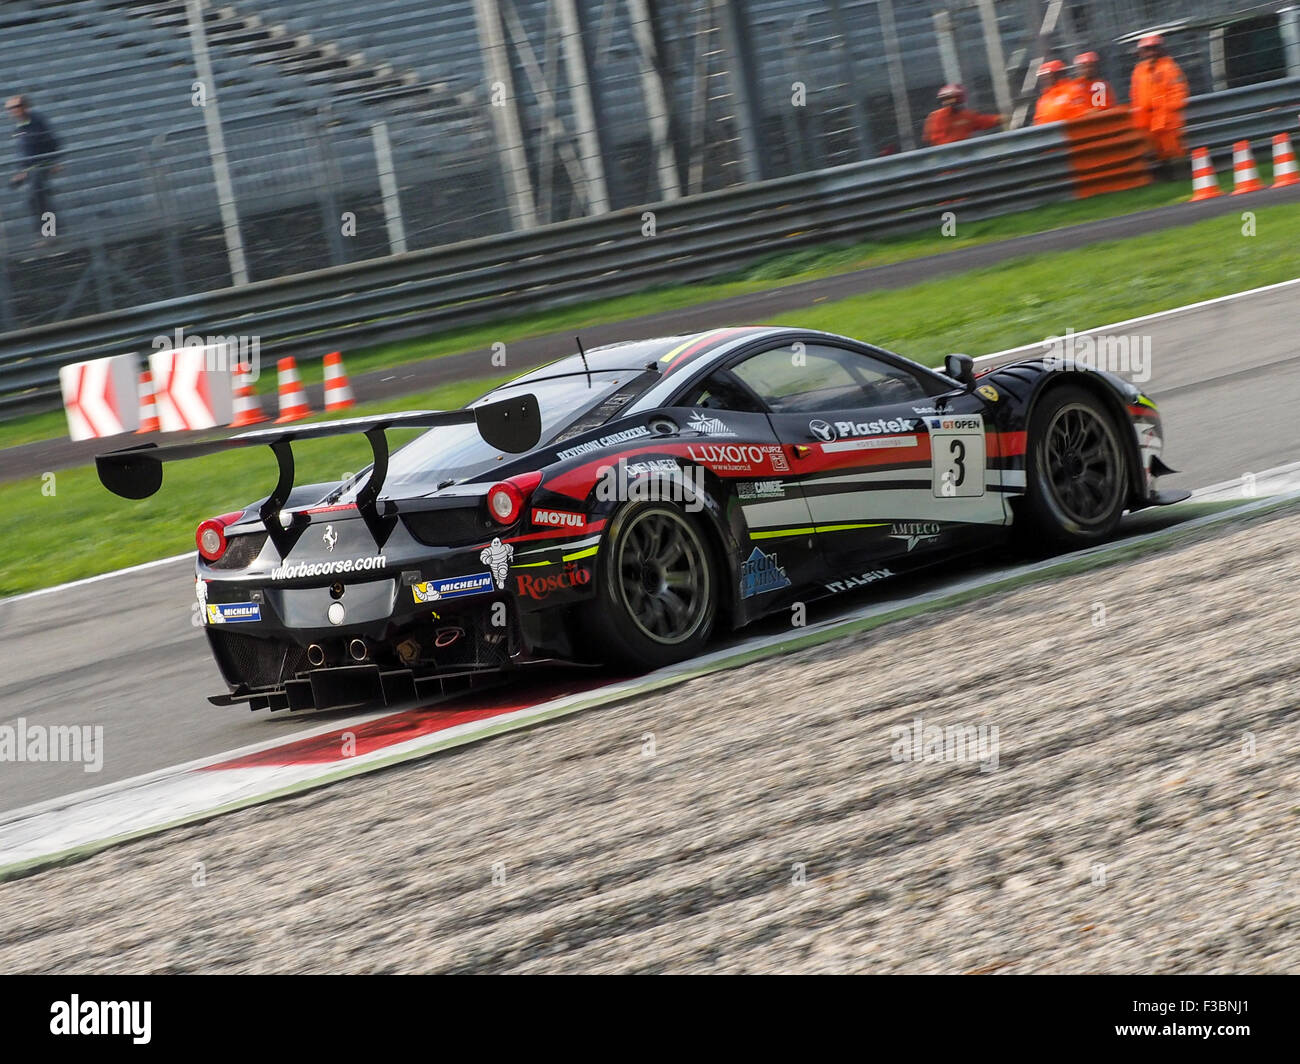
[{"x": 622, "y": 505}]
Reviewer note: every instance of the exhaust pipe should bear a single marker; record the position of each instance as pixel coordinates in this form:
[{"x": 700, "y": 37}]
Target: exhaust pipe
[
  {"x": 316, "y": 654},
  {"x": 358, "y": 649},
  {"x": 446, "y": 636}
]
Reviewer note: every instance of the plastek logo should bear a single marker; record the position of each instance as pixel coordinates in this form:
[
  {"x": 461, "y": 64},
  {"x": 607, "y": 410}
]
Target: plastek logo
[
  {"x": 331, "y": 537},
  {"x": 914, "y": 532},
  {"x": 102, "y": 1018},
  {"x": 823, "y": 431},
  {"x": 872, "y": 428}
]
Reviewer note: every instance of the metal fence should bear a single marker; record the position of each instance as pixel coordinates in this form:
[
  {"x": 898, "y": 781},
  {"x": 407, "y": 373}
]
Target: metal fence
[
  {"x": 351, "y": 134},
  {"x": 677, "y": 241}
]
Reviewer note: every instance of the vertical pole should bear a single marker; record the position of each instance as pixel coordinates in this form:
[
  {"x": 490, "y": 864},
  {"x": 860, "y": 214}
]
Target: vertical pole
[
  {"x": 316, "y": 133},
  {"x": 1289, "y": 25},
  {"x": 657, "y": 107},
  {"x": 848, "y": 76},
  {"x": 737, "y": 44},
  {"x": 573, "y": 36},
  {"x": 388, "y": 188},
  {"x": 505, "y": 115},
  {"x": 897, "y": 75},
  {"x": 168, "y": 216},
  {"x": 217, "y": 145},
  {"x": 997, "y": 58},
  {"x": 7, "y": 319},
  {"x": 948, "y": 56}
]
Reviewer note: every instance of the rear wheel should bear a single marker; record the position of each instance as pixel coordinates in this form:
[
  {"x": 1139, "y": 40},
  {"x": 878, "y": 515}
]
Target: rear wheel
[
  {"x": 657, "y": 588},
  {"x": 1076, "y": 476}
]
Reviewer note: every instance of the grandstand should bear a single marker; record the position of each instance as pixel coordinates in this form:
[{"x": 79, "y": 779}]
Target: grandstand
[{"x": 695, "y": 98}]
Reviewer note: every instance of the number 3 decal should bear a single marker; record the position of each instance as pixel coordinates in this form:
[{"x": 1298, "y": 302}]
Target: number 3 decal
[{"x": 957, "y": 456}]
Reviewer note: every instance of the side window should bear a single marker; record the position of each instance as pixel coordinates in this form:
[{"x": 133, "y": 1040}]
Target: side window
[
  {"x": 819, "y": 377},
  {"x": 721, "y": 391}
]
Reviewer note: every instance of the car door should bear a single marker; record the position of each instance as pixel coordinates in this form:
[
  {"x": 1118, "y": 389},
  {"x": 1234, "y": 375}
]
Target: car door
[
  {"x": 726, "y": 430},
  {"x": 890, "y": 470}
]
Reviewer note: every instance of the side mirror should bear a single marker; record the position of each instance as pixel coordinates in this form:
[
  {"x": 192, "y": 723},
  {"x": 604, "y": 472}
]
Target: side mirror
[{"x": 961, "y": 368}]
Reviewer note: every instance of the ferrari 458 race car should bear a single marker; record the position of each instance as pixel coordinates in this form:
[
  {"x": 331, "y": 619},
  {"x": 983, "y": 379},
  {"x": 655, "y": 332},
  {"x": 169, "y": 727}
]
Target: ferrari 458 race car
[{"x": 624, "y": 504}]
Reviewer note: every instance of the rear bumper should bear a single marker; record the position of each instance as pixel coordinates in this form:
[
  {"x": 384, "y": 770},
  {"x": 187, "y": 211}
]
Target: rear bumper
[{"x": 282, "y": 668}]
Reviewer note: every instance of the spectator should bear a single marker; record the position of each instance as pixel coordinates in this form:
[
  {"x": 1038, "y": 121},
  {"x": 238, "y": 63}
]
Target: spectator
[
  {"x": 39, "y": 149},
  {"x": 1057, "y": 99},
  {"x": 1092, "y": 91},
  {"x": 1158, "y": 97},
  {"x": 952, "y": 121}
]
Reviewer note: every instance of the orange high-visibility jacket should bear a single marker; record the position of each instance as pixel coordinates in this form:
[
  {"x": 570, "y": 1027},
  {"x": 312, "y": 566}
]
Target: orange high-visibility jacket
[
  {"x": 1158, "y": 97},
  {"x": 1057, "y": 103},
  {"x": 1094, "y": 94},
  {"x": 948, "y": 125}
]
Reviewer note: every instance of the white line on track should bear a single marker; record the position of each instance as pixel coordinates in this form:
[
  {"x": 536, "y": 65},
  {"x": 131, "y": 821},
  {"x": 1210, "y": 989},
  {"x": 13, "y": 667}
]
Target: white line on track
[
  {"x": 96, "y": 579},
  {"x": 1189, "y": 308}
]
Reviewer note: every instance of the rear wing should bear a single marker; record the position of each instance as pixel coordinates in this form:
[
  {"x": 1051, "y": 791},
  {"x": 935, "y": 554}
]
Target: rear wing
[{"x": 513, "y": 425}]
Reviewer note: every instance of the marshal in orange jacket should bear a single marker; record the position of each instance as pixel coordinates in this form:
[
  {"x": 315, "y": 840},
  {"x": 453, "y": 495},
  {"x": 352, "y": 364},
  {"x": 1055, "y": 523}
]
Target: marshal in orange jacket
[
  {"x": 1057, "y": 103},
  {"x": 1158, "y": 97},
  {"x": 1094, "y": 94},
  {"x": 948, "y": 125}
]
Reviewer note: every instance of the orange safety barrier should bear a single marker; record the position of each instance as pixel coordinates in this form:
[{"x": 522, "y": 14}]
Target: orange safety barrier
[{"x": 1107, "y": 153}]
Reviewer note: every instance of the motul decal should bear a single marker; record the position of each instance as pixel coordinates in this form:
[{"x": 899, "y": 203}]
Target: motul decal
[{"x": 559, "y": 519}]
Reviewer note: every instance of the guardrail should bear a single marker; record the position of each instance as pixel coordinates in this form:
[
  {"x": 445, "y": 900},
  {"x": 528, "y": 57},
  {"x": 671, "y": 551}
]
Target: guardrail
[{"x": 693, "y": 238}]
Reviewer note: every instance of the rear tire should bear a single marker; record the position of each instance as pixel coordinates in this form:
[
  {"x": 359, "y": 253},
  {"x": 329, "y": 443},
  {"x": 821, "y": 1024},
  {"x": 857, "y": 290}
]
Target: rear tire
[
  {"x": 1076, "y": 472},
  {"x": 656, "y": 588}
]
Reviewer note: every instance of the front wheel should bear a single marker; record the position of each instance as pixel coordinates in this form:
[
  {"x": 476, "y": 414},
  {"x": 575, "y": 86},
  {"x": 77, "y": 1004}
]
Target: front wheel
[
  {"x": 1076, "y": 474},
  {"x": 656, "y": 588}
]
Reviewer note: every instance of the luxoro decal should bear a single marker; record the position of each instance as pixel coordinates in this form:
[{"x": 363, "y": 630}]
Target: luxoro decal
[{"x": 739, "y": 457}]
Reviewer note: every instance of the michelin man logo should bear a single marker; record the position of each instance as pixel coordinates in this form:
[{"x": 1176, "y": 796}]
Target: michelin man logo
[{"x": 497, "y": 556}]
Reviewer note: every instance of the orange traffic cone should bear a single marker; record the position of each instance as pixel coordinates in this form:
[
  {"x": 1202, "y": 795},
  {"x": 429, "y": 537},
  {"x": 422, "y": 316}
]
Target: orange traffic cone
[
  {"x": 338, "y": 392},
  {"x": 148, "y": 405},
  {"x": 1205, "y": 182},
  {"x": 248, "y": 411},
  {"x": 293, "y": 400},
  {"x": 1245, "y": 177},
  {"x": 1285, "y": 171}
]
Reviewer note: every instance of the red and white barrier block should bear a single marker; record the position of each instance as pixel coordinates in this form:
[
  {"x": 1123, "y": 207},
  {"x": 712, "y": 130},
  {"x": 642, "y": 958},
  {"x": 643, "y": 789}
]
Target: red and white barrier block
[
  {"x": 101, "y": 397},
  {"x": 193, "y": 388}
]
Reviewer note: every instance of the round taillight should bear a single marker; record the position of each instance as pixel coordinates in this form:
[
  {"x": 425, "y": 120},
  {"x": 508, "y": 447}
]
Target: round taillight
[
  {"x": 210, "y": 537},
  {"x": 506, "y": 500},
  {"x": 504, "y": 503}
]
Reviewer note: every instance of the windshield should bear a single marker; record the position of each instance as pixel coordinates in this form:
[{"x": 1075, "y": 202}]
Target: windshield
[{"x": 458, "y": 452}]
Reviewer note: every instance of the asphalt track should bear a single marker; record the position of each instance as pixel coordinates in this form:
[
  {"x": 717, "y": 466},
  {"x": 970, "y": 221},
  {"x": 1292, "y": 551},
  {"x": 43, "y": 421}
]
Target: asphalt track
[
  {"x": 33, "y": 459},
  {"x": 122, "y": 652}
]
